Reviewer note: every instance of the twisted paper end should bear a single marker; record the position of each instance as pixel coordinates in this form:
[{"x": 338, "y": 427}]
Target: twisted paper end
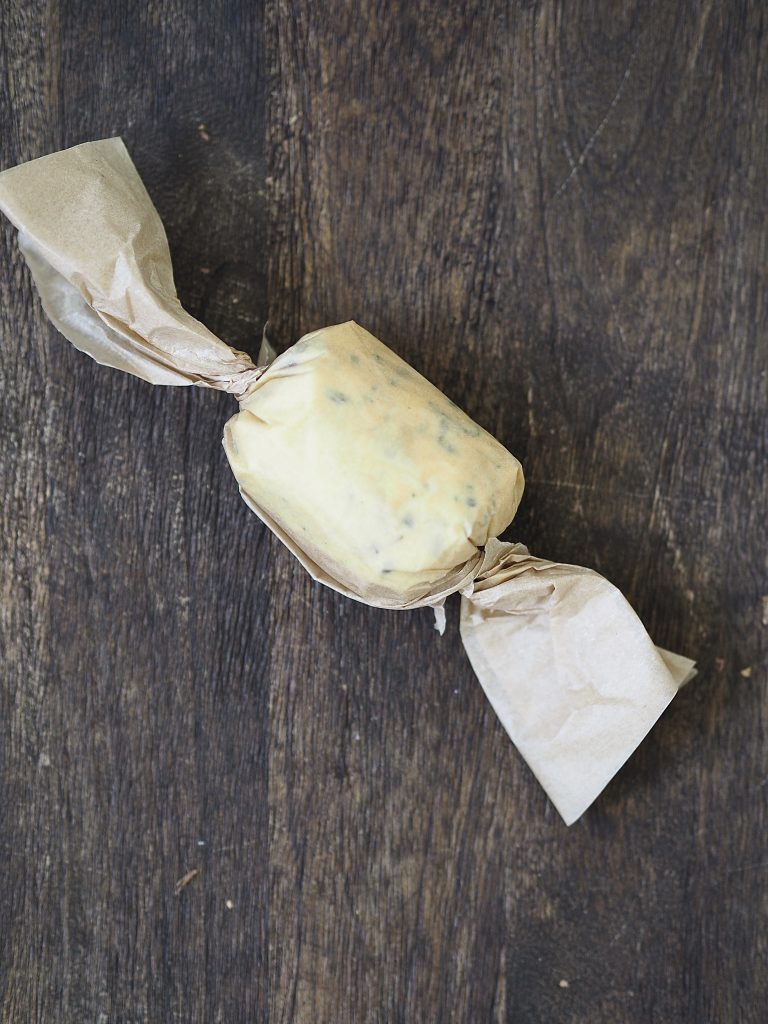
[
  {"x": 116, "y": 301},
  {"x": 568, "y": 667}
]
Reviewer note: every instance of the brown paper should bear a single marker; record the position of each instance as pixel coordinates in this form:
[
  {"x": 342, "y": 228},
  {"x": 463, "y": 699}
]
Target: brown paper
[
  {"x": 568, "y": 668},
  {"x": 565, "y": 662}
]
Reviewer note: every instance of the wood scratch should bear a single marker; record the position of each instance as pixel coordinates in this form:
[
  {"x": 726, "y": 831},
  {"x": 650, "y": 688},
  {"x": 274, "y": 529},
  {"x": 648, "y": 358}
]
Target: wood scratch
[
  {"x": 578, "y": 164},
  {"x": 531, "y": 420},
  {"x": 572, "y": 163},
  {"x": 184, "y": 881},
  {"x": 672, "y": 499},
  {"x": 749, "y": 867},
  {"x": 611, "y": 303},
  {"x": 236, "y": 846}
]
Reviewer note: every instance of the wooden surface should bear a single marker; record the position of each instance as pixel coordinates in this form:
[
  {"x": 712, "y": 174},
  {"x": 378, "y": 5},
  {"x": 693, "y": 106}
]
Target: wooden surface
[{"x": 557, "y": 212}]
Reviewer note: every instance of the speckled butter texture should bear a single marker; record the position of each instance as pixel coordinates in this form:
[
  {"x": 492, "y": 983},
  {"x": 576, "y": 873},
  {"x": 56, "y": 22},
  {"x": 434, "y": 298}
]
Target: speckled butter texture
[{"x": 368, "y": 466}]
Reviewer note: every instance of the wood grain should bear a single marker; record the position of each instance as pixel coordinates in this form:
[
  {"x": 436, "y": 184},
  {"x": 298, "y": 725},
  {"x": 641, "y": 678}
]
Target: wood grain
[{"x": 557, "y": 212}]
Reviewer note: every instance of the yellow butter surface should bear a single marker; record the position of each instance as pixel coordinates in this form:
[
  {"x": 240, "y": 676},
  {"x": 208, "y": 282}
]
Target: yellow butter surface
[{"x": 367, "y": 466}]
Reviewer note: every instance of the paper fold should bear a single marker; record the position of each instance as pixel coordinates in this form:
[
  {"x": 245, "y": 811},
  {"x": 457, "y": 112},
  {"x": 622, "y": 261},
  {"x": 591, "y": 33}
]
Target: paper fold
[
  {"x": 98, "y": 253},
  {"x": 563, "y": 659},
  {"x": 568, "y": 667}
]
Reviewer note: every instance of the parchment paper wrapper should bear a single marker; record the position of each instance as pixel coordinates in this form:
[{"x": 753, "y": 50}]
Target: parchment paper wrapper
[{"x": 562, "y": 657}]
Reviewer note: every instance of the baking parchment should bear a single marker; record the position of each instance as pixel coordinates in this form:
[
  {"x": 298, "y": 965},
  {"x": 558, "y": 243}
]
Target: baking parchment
[{"x": 563, "y": 658}]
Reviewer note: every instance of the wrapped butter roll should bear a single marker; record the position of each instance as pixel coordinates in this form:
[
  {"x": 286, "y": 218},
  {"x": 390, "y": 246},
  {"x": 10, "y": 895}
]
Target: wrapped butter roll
[
  {"x": 376, "y": 474},
  {"x": 381, "y": 487}
]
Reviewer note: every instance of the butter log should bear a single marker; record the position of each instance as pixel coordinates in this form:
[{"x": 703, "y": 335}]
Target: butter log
[{"x": 366, "y": 466}]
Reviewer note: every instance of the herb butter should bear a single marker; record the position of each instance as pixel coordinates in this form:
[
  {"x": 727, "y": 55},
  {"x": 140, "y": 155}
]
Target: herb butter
[{"x": 367, "y": 466}]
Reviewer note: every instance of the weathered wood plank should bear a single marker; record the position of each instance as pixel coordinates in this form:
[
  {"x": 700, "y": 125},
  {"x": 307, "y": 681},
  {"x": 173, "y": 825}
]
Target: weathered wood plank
[
  {"x": 137, "y": 674},
  {"x": 545, "y": 210},
  {"x": 558, "y": 213}
]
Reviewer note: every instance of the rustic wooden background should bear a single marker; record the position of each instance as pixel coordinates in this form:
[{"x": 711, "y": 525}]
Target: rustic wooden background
[{"x": 557, "y": 211}]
